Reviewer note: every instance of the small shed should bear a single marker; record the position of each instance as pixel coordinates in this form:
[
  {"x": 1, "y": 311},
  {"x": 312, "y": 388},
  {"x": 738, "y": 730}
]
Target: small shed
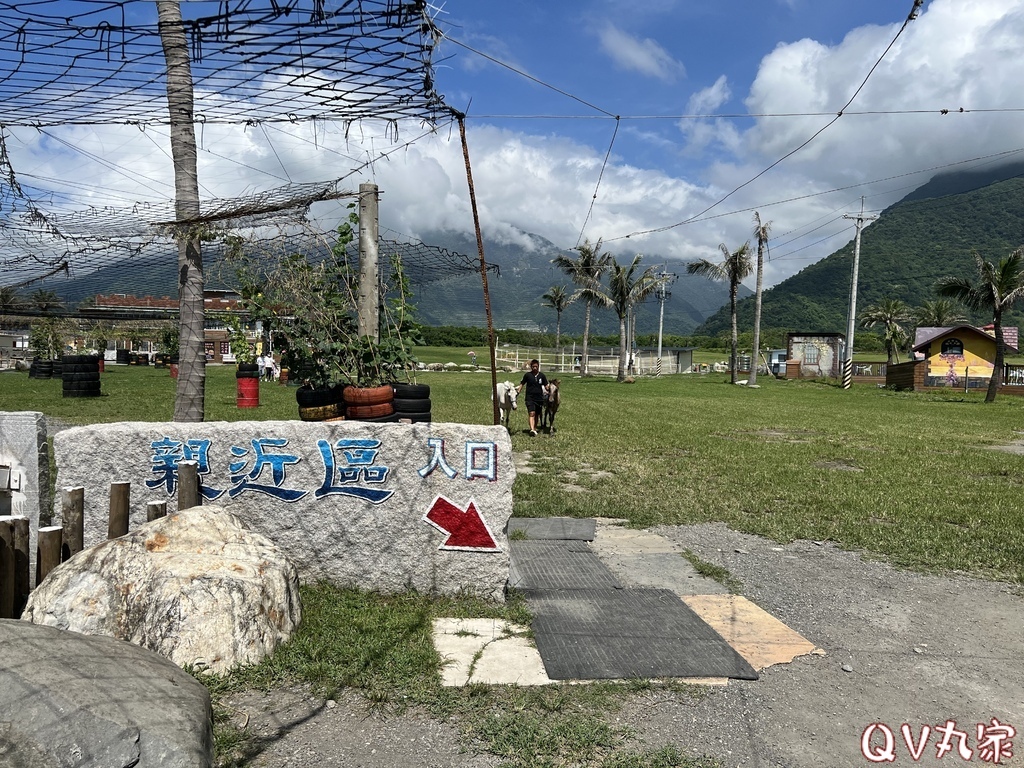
[{"x": 819, "y": 355}]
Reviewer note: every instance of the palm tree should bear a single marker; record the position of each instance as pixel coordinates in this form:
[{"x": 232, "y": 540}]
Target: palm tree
[
  {"x": 890, "y": 314},
  {"x": 584, "y": 271},
  {"x": 734, "y": 267},
  {"x": 558, "y": 298},
  {"x": 45, "y": 300},
  {"x": 761, "y": 232},
  {"x": 625, "y": 290},
  {"x": 10, "y": 301},
  {"x": 938, "y": 313},
  {"x": 999, "y": 286},
  {"x": 189, "y": 399}
]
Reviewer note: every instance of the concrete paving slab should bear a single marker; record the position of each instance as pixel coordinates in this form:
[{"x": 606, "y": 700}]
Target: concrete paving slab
[
  {"x": 644, "y": 559},
  {"x": 756, "y": 635},
  {"x": 489, "y": 651}
]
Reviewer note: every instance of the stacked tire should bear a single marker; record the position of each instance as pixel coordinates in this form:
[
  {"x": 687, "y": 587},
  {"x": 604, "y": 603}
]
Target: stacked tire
[
  {"x": 319, "y": 404},
  {"x": 123, "y": 357},
  {"x": 412, "y": 402},
  {"x": 373, "y": 404},
  {"x": 80, "y": 376},
  {"x": 40, "y": 369}
]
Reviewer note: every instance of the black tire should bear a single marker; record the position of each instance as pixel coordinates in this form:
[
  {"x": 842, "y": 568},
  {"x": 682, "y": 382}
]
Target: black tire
[
  {"x": 93, "y": 376},
  {"x": 80, "y": 368},
  {"x": 77, "y": 359},
  {"x": 412, "y": 391},
  {"x": 412, "y": 405},
  {"x": 81, "y": 386},
  {"x": 391, "y": 419},
  {"x": 248, "y": 367},
  {"x": 415, "y": 418},
  {"x": 247, "y": 374},
  {"x": 307, "y": 397}
]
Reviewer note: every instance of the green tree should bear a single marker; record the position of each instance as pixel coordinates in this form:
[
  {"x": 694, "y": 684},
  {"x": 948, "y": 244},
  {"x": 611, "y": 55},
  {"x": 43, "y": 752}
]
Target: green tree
[
  {"x": 938, "y": 313},
  {"x": 10, "y": 302},
  {"x": 890, "y": 314},
  {"x": 1000, "y": 285},
  {"x": 735, "y": 266},
  {"x": 761, "y": 232},
  {"x": 585, "y": 270},
  {"x": 45, "y": 300},
  {"x": 627, "y": 287},
  {"x": 558, "y": 298}
]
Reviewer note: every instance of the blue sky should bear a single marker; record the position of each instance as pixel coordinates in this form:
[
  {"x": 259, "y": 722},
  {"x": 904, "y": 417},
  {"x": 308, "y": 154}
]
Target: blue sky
[{"x": 741, "y": 63}]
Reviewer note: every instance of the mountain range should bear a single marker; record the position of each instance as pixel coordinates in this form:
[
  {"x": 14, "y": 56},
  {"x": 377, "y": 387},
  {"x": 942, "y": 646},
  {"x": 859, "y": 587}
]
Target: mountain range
[
  {"x": 524, "y": 274},
  {"x": 929, "y": 234}
]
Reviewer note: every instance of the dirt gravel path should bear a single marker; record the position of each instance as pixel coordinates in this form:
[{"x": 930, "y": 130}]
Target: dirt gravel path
[{"x": 900, "y": 648}]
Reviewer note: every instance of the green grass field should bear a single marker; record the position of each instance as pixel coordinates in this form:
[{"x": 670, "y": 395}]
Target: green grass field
[{"x": 908, "y": 477}]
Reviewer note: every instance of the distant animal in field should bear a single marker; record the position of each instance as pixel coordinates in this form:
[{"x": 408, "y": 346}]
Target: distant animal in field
[
  {"x": 507, "y": 395},
  {"x": 551, "y": 403}
]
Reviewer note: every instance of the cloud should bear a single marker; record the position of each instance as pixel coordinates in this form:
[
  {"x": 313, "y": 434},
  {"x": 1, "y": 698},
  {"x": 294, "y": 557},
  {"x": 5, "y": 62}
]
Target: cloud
[
  {"x": 958, "y": 53},
  {"x": 644, "y": 55}
]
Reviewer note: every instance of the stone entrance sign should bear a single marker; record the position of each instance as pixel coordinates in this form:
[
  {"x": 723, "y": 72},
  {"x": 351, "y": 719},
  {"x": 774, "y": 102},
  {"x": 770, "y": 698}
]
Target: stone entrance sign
[
  {"x": 384, "y": 507},
  {"x": 24, "y": 469}
]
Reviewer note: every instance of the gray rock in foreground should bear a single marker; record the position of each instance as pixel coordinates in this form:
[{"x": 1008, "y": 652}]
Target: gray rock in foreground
[
  {"x": 69, "y": 700},
  {"x": 195, "y": 587}
]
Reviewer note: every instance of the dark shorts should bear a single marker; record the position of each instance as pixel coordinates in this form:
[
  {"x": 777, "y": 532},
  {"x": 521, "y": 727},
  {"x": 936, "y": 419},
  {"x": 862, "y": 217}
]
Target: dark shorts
[{"x": 534, "y": 406}]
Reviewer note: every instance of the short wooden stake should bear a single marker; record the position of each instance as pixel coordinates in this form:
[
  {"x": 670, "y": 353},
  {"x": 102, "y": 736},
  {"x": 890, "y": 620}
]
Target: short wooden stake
[
  {"x": 188, "y": 485},
  {"x": 72, "y": 518},
  {"x": 120, "y": 494},
  {"x": 22, "y": 547},
  {"x": 7, "y": 578},
  {"x": 48, "y": 541},
  {"x": 155, "y": 510}
]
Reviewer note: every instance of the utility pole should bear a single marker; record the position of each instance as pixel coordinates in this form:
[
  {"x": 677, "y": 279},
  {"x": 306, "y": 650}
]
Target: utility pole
[
  {"x": 369, "y": 290},
  {"x": 662, "y": 293},
  {"x": 848, "y": 357}
]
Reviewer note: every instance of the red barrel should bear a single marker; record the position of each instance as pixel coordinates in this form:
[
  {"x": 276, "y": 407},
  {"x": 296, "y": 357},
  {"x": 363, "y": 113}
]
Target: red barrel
[
  {"x": 101, "y": 364},
  {"x": 248, "y": 393}
]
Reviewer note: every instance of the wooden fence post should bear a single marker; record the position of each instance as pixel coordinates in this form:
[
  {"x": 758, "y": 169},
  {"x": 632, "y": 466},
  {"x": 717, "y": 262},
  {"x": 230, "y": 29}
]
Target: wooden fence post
[
  {"x": 155, "y": 510},
  {"x": 7, "y": 578},
  {"x": 188, "y": 485},
  {"x": 48, "y": 542},
  {"x": 120, "y": 494},
  {"x": 72, "y": 518},
  {"x": 22, "y": 584}
]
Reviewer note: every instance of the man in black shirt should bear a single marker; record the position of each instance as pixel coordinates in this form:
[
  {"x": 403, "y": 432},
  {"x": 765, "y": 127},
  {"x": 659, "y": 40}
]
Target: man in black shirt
[{"x": 536, "y": 384}]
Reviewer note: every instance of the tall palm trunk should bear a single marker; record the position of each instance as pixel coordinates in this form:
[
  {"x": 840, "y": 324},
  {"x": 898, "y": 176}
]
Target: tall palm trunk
[
  {"x": 623, "y": 342},
  {"x": 189, "y": 396},
  {"x": 586, "y": 339},
  {"x": 733, "y": 290},
  {"x": 757, "y": 310},
  {"x": 558, "y": 335},
  {"x": 997, "y": 368}
]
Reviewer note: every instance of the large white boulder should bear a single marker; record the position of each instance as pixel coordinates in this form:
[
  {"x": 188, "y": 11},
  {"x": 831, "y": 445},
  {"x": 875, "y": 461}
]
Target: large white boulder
[{"x": 195, "y": 587}]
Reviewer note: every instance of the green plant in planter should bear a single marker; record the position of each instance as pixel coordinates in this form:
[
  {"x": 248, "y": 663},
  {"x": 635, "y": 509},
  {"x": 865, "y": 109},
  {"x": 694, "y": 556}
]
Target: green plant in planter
[
  {"x": 311, "y": 303},
  {"x": 170, "y": 337},
  {"x": 243, "y": 349},
  {"x": 48, "y": 335}
]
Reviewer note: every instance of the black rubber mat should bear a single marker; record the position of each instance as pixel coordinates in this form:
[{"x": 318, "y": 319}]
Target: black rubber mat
[
  {"x": 559, "y": 528},
  {"x": 545, "y": 565},
  {"x": 602, "y": 634}
]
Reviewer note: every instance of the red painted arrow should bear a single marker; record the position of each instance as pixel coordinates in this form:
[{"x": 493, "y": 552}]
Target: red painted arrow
[{"x": 465, "y": 528}]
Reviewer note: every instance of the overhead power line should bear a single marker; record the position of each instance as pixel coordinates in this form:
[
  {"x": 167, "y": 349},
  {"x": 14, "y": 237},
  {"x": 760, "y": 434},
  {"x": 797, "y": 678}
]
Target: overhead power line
[{"x": 816, "y": 134}]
